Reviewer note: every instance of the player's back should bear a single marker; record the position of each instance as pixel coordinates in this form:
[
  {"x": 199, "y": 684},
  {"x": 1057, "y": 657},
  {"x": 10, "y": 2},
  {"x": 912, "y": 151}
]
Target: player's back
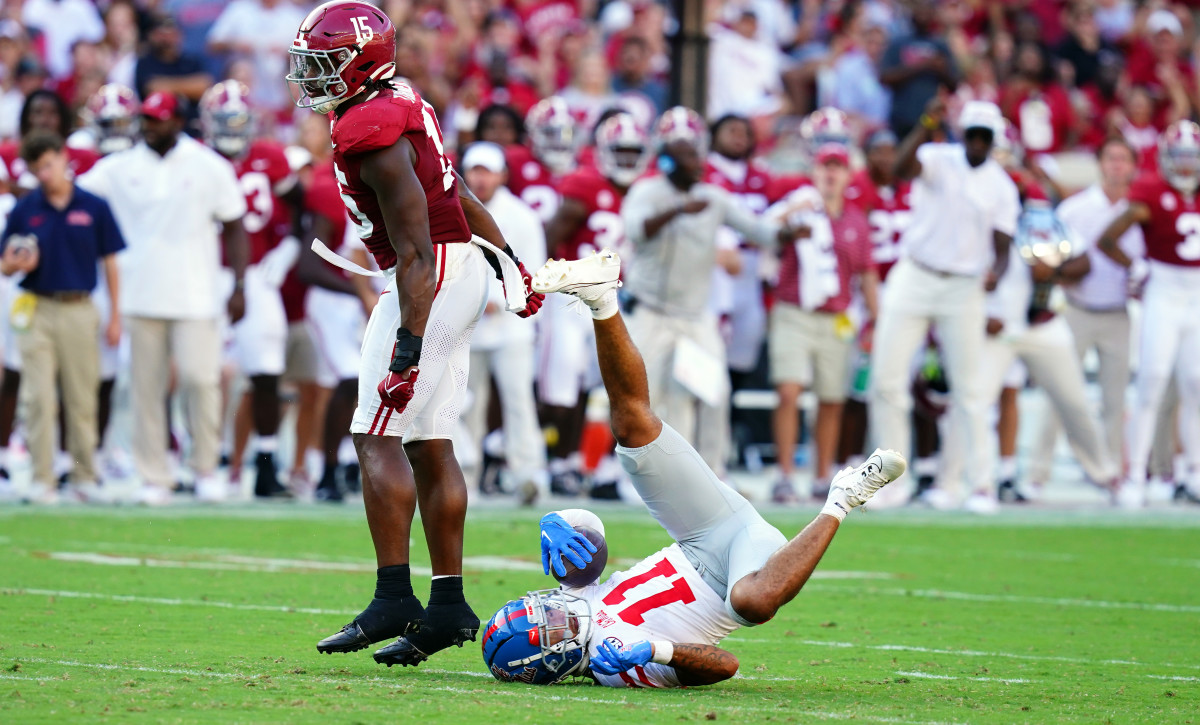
[
  {"x": 603, "y": 227},
  {"x": 530, "y": 180},
  {"x": 375, "y": 125},
  {"x": 888, "y": 214},
  {"x": 1173, "y": 231},
  {"x": 264, "y": 175}
]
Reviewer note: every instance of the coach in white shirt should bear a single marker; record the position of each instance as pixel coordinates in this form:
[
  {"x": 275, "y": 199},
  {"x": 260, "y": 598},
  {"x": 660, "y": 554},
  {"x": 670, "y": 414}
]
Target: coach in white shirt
[
  {"x": 964, "y": 214},
  {"x": 170, "y": 194},
  {"x": 1097, "y": 314},
  {"x": 503, "y": 344}
]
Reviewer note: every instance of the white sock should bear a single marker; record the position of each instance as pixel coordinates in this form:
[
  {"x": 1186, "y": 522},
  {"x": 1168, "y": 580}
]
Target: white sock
[
  {"x": 268, "y": 444},
  {"x": 926, "y": 466},
  {"x": 605, "y": 306},
  {"x": 1008, "y": 468},
  {"x": 836, "y": 505}
]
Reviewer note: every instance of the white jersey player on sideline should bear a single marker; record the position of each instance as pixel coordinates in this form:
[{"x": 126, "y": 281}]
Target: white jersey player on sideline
[{"x": 658, "y": 624}]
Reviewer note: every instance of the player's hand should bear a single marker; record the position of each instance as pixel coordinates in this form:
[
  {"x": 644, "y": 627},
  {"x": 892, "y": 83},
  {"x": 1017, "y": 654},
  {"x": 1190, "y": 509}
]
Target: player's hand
[
  {"x": 1138, "y": 272},
  {"x": 112, "y": 333},
  {"x": 236, "y": 306},
  {"x": 396, "y": 389},
  {"x": 936, "y": 109},
  {"x": 560, "y": 540},
  {"x": 994, "y": 327},
  {"x": 866, "y": 336},
  {"x": 611, "y": 660},
  {"x": 1042, "y": 272},
  {"x": 533, "y": 300}
]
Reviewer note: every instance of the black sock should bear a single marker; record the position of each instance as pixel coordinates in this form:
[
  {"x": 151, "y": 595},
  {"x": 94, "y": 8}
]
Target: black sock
[
  {"x": 394, "y": 607},
  {"x": 329, "y": 480},
  {"x": 446, "y": 590}
]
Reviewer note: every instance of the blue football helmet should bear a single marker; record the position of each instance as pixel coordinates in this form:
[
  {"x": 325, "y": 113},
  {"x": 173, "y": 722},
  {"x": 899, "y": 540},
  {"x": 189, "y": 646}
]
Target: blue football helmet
[{"x": 539, "y": 639}]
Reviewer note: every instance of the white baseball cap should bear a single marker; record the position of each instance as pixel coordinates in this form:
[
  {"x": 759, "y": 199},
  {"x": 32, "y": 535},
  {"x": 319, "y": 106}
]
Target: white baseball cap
[
  {"x": 1163, "y": 19},
  {"x": 485, "y": 154},
  {"x": 981, "y": 114}
]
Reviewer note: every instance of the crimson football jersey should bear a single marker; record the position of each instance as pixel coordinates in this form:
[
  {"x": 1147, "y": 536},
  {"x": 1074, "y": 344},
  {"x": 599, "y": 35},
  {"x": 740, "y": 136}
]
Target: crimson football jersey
[
  {"x": 530, "y": 180},
  {"x": 887, "y": 212},
  {"x": 757, "y": 189},
  {"x": 263, "y": 173},
  {"x": 1173, "y": 231},
  {"x": 378, "y": 124},
  {"x": 78, "y": 161},
  {"x": 604, "y": 228}
]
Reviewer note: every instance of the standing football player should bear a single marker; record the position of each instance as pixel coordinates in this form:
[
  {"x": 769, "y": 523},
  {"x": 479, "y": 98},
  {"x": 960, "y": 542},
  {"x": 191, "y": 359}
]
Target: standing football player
[
  {"x": 260, "y": 338},
  {"x": 658, "y": 623},
  {"x": 389, "y": 158},
  {"x": 1166, "y": 208},
  {"x": 588, "y": 220},
  {"x": 534, "y": 170}
]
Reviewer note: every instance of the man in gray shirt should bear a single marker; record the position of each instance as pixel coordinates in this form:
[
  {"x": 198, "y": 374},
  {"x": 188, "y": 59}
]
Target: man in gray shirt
[{"x": 672, "y": 221}]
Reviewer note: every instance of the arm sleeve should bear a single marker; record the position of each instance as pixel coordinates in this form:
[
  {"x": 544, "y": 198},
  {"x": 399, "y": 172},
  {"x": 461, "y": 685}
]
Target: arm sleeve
[
  {"x": 753, "y": 228},
  {"x": 635, "y": 210},
  {"x": 582, "y": 517},
  {"x": 111, "y": 239},
  {"x": 647, "y": 675},
  {"x": 1008, "y": 208},
  {"x": 932, "y": 157},
  {"x": 95, "y": 181},
  {"x": 228, "y": 202}
]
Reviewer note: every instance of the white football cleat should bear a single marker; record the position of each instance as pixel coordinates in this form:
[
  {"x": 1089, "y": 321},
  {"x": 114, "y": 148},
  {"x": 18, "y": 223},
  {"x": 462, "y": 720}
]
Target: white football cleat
[
  {"x": 211, "y": 489},
  {"x": 859, "y": 484},
  {"x": 982, "y": 503},
  {"x": 593, "y": 280},
  {"x": 1131, "y": 495}
]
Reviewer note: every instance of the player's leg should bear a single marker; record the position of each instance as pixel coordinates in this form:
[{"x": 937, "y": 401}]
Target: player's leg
[
  {"x": 1187, "y": 376},
  {"x": 764, "y": 576},
  {"x": 1158, "y": 348},
  {"x": 261, "y": 341}
]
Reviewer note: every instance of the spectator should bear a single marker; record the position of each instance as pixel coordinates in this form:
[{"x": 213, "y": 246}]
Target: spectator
[
  {"x": 87, "y": 75},
  {"x": 1158, "y": 61},
  {"x": 915, "y": 66},
  {"x": 1083, "y": 47},
  {"x": 964, "y": 213},
  {"x": 1134, "y": 122},
  {"x": 56, "y": 235},
  {"x": 169, "y": 194},
  {"x": 500, "y": 125},
  {"x": 196, "y": 18},
  {"x": 259, "y": 31},
  {"x": 590, "y": 93},
  {"x": 850, "y": 79},
  {"x": 503, "y": 345},
  {"x": 164, "y": 67},
  {"x": 62, "y": 23},
  {"x": 743, "y": 72},
  {"x": 1115, "y": 19},
  {"x": 633, "y": 80},
  {"x": 1037, "y": 106},
  {"x": 122, "y": 42}
]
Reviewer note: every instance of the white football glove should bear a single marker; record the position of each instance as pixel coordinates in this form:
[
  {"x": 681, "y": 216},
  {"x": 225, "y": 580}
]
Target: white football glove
[{"x": 276, "y": 263}]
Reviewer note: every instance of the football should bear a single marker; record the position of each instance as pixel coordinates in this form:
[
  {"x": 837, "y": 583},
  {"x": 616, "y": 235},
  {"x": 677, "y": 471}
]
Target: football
[{"x": 576, "y": 577}]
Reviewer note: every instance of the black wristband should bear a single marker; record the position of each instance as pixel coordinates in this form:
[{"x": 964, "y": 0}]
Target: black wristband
[
  {"x": 495, "y": 264},
  {"x": 511, "y": 254},
  {"x": 407, "y": 352}
]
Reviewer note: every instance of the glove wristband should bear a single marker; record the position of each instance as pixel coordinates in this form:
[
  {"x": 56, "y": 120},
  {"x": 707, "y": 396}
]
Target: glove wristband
[
  {"x": 663, "y": 653},
  {"x": 407, "y": 351},
  {"x": 511, "y": 254}
]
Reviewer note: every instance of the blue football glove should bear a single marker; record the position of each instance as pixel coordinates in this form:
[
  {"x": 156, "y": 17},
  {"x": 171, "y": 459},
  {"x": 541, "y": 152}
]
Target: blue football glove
[
  {"x": 610, "y": 660},
  {"x": 559, "y": 540}
]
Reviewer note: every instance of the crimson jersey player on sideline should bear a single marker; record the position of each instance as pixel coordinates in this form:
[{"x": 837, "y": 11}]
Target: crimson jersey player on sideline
[
  {"x": 588, "y": 220},
  {"x": 259, "y": 338},
  {"x": 534, "y": 170},
  {"x": 416, "y": 216},
  {"x": 43, "y": 111},
  {"x": 1165, "y": 206}
]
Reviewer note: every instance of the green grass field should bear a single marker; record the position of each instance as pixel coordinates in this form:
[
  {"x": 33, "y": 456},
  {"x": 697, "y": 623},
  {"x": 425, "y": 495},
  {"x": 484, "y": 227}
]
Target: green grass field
[{"x": 211, "y": 615}]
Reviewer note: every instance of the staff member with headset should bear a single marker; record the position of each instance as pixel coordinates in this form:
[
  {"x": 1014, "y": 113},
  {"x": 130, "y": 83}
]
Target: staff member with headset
[
  {"x": 672, "y": 221},
  {"x": 56, "y": 235},
  {"x": 964, "y": 215}
]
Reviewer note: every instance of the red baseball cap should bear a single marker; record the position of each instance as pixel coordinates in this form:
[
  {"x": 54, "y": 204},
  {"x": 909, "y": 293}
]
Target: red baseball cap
[
  {"x": 160, "y": 106},
  {"x": 833, "y": 152}
]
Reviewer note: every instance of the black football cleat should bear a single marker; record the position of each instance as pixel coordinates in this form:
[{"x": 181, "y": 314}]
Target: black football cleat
[
  {"x": 381, "y": 620},
  {"x": 266, "y": 479},
  {"x": 444, "y": 626}
]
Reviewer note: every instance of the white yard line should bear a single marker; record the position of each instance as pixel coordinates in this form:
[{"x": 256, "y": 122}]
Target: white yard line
[
  {"x": 175, "y": 602},
  {"x": 1176, "y": 678},
  {"x": 233, "y": 562},
  {"x": 928, "y": 676}
]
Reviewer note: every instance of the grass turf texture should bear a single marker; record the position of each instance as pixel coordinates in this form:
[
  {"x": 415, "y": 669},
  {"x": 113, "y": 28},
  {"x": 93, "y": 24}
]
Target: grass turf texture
[{"x": 1033, "y": 617}]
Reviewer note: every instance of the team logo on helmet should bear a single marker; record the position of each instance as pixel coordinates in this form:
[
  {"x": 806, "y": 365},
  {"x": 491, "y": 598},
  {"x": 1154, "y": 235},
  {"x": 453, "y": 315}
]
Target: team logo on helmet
[
  {"x": 681, "y": 124},
  {"x": 622, "y": 150},
  {"x": 1179, "y": 156},
  {"x": 225, "y": 118},
  {"x": 540, "y": 639},
  {"x": 112, "y": 115},
  {"x": 552, "y": 134},
  {"x": 340, "y": 48}
]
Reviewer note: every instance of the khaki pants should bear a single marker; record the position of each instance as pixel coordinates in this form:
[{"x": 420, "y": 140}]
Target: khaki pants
[
  {"x": 195, "y": 348},
  {"x": 61, "y": 348},
  {"x": 524, "y": 446},
  {"x": 1108, "y": 332},
  {"x": 656, "y": 336}
]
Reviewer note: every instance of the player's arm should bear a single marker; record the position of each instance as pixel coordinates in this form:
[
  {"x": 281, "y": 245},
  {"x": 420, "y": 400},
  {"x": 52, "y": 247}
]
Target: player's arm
[
  {"x": 568, "y": 219},
  {"x": 1137, "y": 213},
  {"x": 233, "y": 238},
  {"x": 391, "y": 174},
  {"x": 694, "y": 664}
]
